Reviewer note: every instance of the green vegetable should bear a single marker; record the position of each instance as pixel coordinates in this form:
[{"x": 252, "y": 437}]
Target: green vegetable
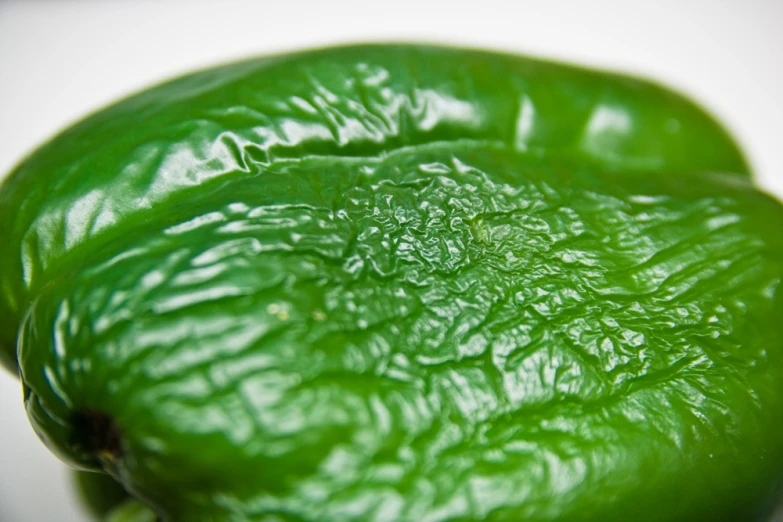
[{"x": 402, "y": 283}]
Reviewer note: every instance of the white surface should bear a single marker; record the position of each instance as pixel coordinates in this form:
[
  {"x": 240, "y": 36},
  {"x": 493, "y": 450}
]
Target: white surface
[{"x": 60, "y": 59}]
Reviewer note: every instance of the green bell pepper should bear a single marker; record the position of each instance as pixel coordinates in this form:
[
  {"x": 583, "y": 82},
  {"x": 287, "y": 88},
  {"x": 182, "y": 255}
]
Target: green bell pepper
[{"x": 402, "y": 283}]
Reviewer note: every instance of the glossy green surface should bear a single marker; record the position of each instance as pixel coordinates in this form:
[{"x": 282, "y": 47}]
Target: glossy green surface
[{"x": 402, "y": 283}]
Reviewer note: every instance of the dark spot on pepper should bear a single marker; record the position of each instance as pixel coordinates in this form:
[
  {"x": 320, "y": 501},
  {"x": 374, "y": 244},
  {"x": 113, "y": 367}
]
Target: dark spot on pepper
[{"x": 96, "y": 434}]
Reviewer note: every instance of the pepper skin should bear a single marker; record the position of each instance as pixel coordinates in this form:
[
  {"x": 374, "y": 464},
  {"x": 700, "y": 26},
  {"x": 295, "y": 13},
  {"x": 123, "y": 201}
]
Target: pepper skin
[
  {"x": 131, "y": 511},
  {"x": 98, "y": 492},
  {"x": 414, "y": 283},
  {"x": 106, "y": 501}
]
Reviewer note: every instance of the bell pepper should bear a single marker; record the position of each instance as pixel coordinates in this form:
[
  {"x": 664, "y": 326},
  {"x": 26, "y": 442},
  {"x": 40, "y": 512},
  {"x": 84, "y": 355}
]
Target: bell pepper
[{"x": 401, "y": 282}]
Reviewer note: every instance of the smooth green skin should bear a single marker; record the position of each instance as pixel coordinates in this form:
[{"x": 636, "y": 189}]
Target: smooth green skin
[
  {"x": 107, "y": 501},
  {"x": 131, "y": 511},
  {"x": 403, "y": 283},
  {"x": 98, "y": 492}
]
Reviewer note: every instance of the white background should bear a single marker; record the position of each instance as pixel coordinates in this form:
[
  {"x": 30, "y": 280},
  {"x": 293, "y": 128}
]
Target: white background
[{"x": 60, "y": 59}]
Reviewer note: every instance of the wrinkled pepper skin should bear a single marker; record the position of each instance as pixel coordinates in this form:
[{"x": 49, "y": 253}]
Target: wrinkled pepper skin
[{"x": 414, "y": 283}]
